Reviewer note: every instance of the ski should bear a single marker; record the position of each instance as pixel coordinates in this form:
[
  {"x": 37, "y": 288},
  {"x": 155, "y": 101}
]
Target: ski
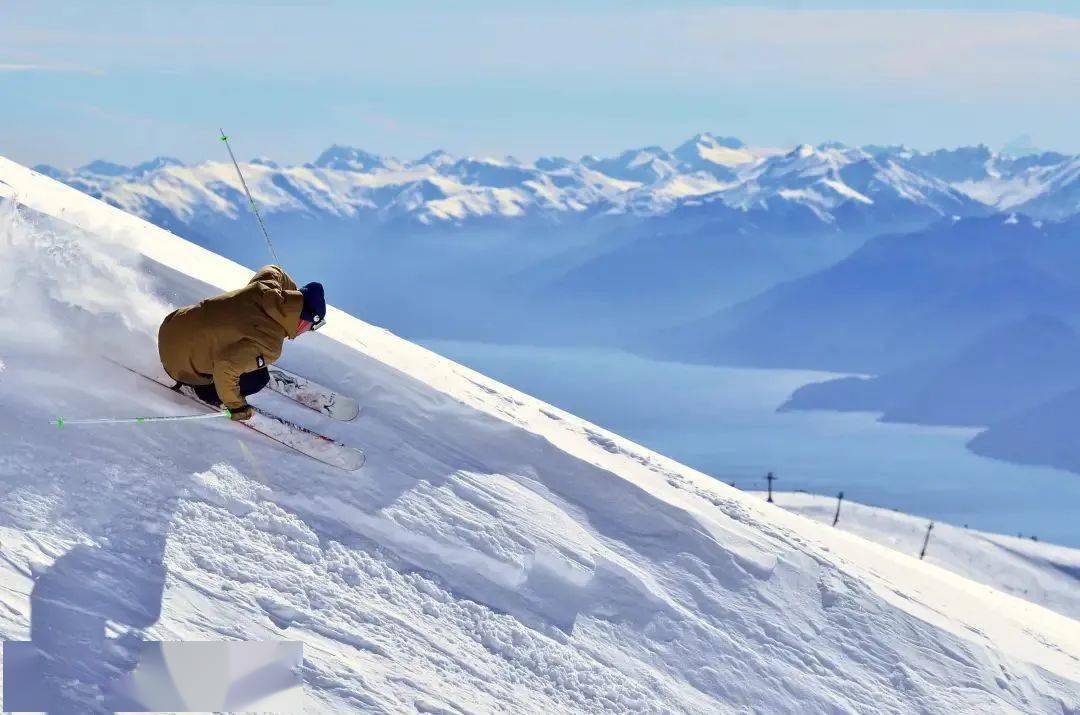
[
  {"x": 315, "y": 445},
  {"x": 312, "y": 395},
  {"x": 308, "y": 442}
]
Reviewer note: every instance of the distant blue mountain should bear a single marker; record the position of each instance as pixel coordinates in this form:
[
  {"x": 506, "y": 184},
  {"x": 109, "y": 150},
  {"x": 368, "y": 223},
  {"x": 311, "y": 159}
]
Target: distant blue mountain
[
  {"x": 155, "y": 164},
  {"x": 52, "y": 172},
  {"x": 343, "y": 158},
  {"x": 899, "y": 299},
  {"x": 1010, "y": 369},
  {"x": 1044, "y": 435},
  {"x": 101, "y": 167}
]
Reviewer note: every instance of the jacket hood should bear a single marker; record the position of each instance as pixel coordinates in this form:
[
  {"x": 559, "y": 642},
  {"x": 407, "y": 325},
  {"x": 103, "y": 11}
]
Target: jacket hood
[
  {"x": 289, "y": 315},
  {"x": 285, "y": 312}
]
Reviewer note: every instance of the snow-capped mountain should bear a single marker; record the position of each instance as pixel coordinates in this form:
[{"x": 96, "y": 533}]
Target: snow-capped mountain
[
  {"x": 495, "y": 553},
  {"x": 1050, "y": 190},
  {"x": 849, "y": 185},
  {"x": 881, "y": 184},
  {"x": 343, "y": 158},
  {"x": 717, "y": 155},
  {"x": 347, "y": 183},
  {"x": 1045, "y": 185}
]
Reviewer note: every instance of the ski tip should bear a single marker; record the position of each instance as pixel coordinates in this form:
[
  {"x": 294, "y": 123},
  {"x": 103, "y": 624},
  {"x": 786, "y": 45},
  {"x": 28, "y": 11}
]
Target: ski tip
[{"x": 354, "y": 460}]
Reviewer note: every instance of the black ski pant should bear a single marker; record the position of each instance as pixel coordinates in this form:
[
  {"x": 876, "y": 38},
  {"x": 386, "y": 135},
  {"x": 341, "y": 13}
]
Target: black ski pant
[{"x": 250, "y": 383}]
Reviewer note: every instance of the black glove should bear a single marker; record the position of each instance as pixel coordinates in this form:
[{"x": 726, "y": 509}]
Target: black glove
[
  {"x": 242, "y": 413},
  {"x": 208, "y": 394}
]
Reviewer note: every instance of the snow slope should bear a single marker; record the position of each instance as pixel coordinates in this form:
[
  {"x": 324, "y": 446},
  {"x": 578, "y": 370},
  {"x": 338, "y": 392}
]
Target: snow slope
[
  {"x": 1043, "y": 573},
  {"x": 496, "y": 554}
]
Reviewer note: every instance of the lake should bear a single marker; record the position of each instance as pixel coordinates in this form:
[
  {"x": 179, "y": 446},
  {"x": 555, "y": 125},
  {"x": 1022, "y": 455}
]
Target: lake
[{"x": 723, "y": 421}]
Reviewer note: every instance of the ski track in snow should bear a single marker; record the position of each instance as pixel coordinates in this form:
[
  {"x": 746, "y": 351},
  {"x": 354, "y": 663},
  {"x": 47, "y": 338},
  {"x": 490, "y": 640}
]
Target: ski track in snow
[{"x": 495, "y": 554}]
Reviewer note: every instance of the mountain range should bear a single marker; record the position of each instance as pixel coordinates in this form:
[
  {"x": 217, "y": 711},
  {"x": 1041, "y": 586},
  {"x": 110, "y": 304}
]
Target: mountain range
[
  {"x": 587, "y": 251},
  {"x": 836, "y": 183}
]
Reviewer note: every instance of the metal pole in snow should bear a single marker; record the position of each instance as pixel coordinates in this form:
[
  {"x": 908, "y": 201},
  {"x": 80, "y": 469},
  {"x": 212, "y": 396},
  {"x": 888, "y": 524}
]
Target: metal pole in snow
[
  {"x": 770, "y": 479},
  {"x": 839, "y": 500},
  {"x": 926, "y": 541},
  {"x": 61, "y": 422},
  {"x": 254, "y": 208}
]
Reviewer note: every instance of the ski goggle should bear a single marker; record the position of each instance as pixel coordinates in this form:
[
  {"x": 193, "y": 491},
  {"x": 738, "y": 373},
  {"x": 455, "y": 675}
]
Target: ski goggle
[{"x": 305, "y": 325}]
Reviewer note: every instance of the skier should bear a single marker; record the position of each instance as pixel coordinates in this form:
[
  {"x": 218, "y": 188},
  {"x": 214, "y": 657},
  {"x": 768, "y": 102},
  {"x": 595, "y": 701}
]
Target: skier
[{"x": 221, "y": 347}]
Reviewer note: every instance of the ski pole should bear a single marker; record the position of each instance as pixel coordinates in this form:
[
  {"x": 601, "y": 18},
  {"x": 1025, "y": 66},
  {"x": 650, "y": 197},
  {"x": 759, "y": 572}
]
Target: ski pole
[
  {"x": 254, "y": 208},
  {"x": 61, "y": 422}
]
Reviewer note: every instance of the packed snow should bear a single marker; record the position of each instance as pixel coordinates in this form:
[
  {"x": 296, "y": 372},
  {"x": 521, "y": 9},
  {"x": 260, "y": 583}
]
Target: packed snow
[{"x": 496, "y": 554}]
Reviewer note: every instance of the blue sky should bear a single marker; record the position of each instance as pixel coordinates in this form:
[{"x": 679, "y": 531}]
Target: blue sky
[{"x": 128, "y": 81}]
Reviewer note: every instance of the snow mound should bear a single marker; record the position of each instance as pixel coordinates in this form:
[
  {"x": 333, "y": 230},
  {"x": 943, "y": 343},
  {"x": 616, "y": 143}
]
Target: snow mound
[{"x": 494, "y": 554}]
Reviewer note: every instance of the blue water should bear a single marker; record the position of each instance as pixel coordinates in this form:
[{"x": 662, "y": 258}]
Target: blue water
[{"x": 723, "y": 421}]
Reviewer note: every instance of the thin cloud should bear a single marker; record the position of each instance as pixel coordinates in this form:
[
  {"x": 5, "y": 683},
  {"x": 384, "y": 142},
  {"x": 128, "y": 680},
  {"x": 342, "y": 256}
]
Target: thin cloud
[{"x": 17, "y": 67}]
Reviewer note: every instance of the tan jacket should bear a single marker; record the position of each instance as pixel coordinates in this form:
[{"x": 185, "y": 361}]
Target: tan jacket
[{"x": 223, "y": 337}]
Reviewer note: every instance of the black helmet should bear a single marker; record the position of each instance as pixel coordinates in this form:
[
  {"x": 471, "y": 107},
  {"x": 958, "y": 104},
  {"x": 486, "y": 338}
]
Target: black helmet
[{"x": 314, "y": 310}]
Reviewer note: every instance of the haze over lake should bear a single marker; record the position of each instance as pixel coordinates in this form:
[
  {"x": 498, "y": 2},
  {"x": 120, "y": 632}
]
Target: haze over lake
[{"x": 724, "y": 422}]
